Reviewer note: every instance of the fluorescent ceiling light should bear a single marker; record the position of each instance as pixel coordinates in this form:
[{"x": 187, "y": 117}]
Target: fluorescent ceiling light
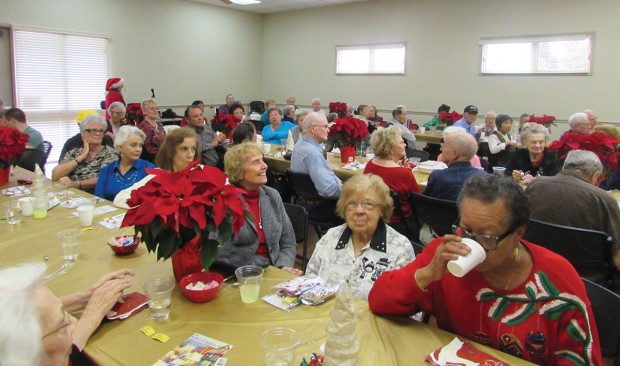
[{"x": 245, "y": 2}]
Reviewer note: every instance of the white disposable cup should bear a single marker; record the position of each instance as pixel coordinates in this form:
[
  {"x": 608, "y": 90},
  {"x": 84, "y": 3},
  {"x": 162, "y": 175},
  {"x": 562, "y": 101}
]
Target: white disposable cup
[
  {"x": 499, "y": 170},
  {"x": 249, "y": 278},
  {"x": 369, "y": 157},
  {"x": 266, "y": 148},
  {"x": 279, "y": 345},
  {"x": 158, "y": 292},
  {"x": 422, "y": 129},
  {"x": 463, "y": 264},
  {"x": 27, "y": 205},
  {"x": 86, "y": 215},
  {"x": 70, "y": 243}
]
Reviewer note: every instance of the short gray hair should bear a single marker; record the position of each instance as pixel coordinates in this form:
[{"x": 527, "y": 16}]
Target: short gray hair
[
  {"x": 316, "y": 100},
  {"x": 124, "y": 133},
  {"x": 146, "y": 102},
  {"x": 117, "y": 105},
  {"x": 398, "y": 110},
  {"x": 311, "y": 119},
  {"x": 463, "y": 142},
  {"x": 577, "y": 119},
  {"x": 287, "y": 109},
  {"x": 586, "y": 162},
  {"x": 20, "y": 327},
  {"x": 93, "y": 118},
  {"x": 532, "y": 127}
]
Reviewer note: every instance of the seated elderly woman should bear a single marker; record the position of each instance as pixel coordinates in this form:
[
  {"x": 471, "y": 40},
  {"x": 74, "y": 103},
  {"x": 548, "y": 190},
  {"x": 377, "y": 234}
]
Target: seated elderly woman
[
  {"x": 535, "y": 159},
  {"x": 361, "y": 250},
  {"x": 501, "y": 145},
  {"x": 178, "y": 150},
  {"x": 389, "y": 148},
  {"x": 277, "y": 130},
  {"x": 129, "y": 169},
  {"x": 238, "y": 111},
  {"x": 117, "y": 119},
  {"x": 244, "y": 131},
  {"x": 80, "y": 167},
  {"x": 288, "y": 113},
  {"x": 522, "y": 299},
  {"x": 154, "y": 131},
  {"x": 35, "y": 326}
]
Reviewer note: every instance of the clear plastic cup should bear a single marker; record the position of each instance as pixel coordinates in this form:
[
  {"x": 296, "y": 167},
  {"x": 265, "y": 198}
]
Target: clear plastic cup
[
  {"x": 249, "y": 278},
  {"x": 279, "y": 345},
  {"x": 12, "y": 212},
  {"x": 159, "y": 293},
  {"x": 70, "y": 243},
  {"x": 499, "y": 170}
]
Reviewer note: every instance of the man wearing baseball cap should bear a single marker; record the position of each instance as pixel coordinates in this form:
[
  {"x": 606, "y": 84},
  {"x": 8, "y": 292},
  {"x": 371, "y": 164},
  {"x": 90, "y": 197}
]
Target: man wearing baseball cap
[{"x": 469, "y": 117}]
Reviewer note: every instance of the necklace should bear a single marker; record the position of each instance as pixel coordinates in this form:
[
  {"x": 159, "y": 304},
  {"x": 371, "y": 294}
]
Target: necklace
[{"x": 126, "y": 180}]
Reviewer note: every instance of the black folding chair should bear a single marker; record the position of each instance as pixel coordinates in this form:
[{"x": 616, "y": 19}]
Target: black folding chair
[
  {"x": 438, "y": 214},
  {"x": 589, "y": 251},
  {"x": 47, "y": 149},
  {"x": 299, "y": 218},
  {"x": 404, "y": 226},
  {"x": 413, "y": 153},
  {"x": 30, "y": 158},
  {"x": 258, "y": 125},
  {"x": 257, "y": 106},
  {"x": 607, "y": 320}
]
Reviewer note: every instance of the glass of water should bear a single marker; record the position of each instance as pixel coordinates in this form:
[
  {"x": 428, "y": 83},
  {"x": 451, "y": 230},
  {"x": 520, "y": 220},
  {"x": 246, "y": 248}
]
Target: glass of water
[{"x": 159, "y": 293}]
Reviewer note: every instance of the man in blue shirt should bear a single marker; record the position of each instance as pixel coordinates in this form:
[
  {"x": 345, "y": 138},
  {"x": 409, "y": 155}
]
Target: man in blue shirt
[
  {"x": 457, "y": 150},
  {"x": 468, "y": 120},
  {"x": 308, "y": 158}
]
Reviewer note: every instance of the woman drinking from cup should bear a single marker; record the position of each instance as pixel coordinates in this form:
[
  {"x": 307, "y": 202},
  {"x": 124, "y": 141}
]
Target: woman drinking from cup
[
  {"x": 154, "y": 131},
  {"x": 277, "y": 130},
  {"x": 80, "y": 167},
  {"x": 536, "y": 159},
  {"x": 361, "y": 250},
  {"x": 522, "y": 299},
  {"x": 389, "y": 148},
  {"x": 129, "y": 169}
]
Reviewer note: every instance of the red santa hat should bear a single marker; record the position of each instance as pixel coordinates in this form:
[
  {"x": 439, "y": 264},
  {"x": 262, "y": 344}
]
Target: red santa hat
[{"x": 113, "y": 83}]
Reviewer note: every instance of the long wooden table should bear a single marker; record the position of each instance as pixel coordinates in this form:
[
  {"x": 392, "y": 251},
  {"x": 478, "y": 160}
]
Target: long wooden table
[
  {"x": 433, "y": 137},
  {"x": 383, "y": 341}
]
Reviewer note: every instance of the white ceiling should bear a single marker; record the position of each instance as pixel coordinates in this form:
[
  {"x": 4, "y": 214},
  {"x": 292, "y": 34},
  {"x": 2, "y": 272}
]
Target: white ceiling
[{"x": 274, "y": 6}]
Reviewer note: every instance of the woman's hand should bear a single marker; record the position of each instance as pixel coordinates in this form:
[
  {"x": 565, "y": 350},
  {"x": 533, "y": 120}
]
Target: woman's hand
[
  {"x": 450, "y": 249},
  {"x": 294, "y": 271},
  {"x": 517, "y": 175},
  {"x": 85, "y": 149},
  {"x": 67, "y": 182},
  {"x": 105, "y": 296},
  {"x": 527, "y": 178}
]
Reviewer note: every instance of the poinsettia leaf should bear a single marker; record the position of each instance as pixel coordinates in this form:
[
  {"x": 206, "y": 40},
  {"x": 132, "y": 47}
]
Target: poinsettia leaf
[
  {"x": 224, "y": 231},
  {"x": 208, "y": 252},
  {"x": 172, "y": 244}
]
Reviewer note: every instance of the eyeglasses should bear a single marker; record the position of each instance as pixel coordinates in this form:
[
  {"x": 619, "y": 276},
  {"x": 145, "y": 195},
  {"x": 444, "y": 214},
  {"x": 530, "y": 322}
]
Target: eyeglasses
[
  {"x": 488, "y": 242},
  {"x": 66, "y": 321},
  {"x": 366, "y": 204},
  {"x": 321, "y": 126},
  {"x": 94, "y": 131}
]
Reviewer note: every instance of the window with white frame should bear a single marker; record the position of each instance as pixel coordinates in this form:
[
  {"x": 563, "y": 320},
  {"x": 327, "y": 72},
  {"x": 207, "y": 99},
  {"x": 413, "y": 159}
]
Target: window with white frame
[
  {"x": 562, "y": 54},
  {"x": 371, "y": 59},
  {"x": 56, "y": 75}
]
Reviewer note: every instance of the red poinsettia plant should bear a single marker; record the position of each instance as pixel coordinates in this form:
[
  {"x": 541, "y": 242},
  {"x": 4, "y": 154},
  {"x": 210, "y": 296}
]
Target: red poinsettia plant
[
  {"x": 348, "y": 131},
  {"x": 12, "y": 144},
  {"x": 449, "y": 117},
  {"x": 544, "y": 120},
  {"x": 224, "y": 123},
  {"x": 175, "y": 207},
  {"x": 338, "y": 107},
  {"x": 603, "y": 145}
]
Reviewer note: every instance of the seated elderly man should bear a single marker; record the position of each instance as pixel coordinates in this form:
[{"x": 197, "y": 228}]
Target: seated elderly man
[
  {"x": 208, "y": 140},
  {"x": 579, "y": 123},
  {"x": 458, "y": 149},
  {"x": 399, "y": 119},
  {"x": 361, "y": 250},
  {"x": 522, "y": 299},
  {"x": 592, "y": 118},
  {"x": 468, "y": 122},
  {"x": 575, "y": 186},
  {"x": 308, "y": 158},
  {"x": 35, "y": 325}
]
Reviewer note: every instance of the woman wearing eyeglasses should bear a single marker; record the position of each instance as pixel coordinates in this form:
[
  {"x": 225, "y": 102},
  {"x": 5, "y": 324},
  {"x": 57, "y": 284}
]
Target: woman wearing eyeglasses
[
  {"x": 522, "y": 299},
  {"x": 363, "y": 248},
  {"x": 80, "y": 167}
]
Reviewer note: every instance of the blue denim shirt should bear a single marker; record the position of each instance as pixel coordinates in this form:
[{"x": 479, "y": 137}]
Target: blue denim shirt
[{"x": 308, "y": 158}]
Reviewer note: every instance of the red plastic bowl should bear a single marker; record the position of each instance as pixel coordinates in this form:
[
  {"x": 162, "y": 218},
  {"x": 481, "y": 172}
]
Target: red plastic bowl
[
  {"x": 201, "y": 295},
  {"x": 127, "y": 249}
]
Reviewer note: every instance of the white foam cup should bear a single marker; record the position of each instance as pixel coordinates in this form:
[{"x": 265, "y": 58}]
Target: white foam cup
[
  {"x": 463, "y": 264},
  {"x": 86, "y": 214},
  {"x": 27, "y": 205}
]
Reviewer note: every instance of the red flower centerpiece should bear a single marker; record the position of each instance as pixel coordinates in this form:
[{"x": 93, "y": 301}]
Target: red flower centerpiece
[
  {"x": 338, "y": 107},
  {"x": 544, "y": 120},
  {"x": 12, "y": 144},
  {"x": 346, "y": 133},
  {"x": 225, "y": 123},
  {"x": 603, "y": 145},
  {"x": 175, "y": 208},
  {"x": 448, "y": 118}
]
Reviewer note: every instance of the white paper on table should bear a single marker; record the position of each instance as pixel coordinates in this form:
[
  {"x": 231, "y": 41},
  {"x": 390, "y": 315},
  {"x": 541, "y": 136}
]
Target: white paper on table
[
  {"x": 113, "y": 222},
  {"x": 16, "y": 191},
  {"x": 101, "y": 210},
  {"x": 276, "y": 301}
]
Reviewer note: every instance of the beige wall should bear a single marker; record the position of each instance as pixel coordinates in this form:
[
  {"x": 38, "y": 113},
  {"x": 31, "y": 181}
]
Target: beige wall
[
  {"x": 443, "y": 55},
  {"x": 184, "y": 50}
]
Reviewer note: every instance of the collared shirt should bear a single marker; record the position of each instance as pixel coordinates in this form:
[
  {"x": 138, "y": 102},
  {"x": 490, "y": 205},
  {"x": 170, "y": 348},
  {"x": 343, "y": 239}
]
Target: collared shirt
[
  {"x": 207, "y": 150},
  {"x": 36, "y": 139},
  {"x": 484, "y": 134},
  {"x": 447, "y": 183},
  {"x": 407, "y": 135},
  {"x": 469, "y": 127},
  {"x": 334, "y": 258},
  {"x": 111, "y": 181},
  {"x": 308, "y": 158}
]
